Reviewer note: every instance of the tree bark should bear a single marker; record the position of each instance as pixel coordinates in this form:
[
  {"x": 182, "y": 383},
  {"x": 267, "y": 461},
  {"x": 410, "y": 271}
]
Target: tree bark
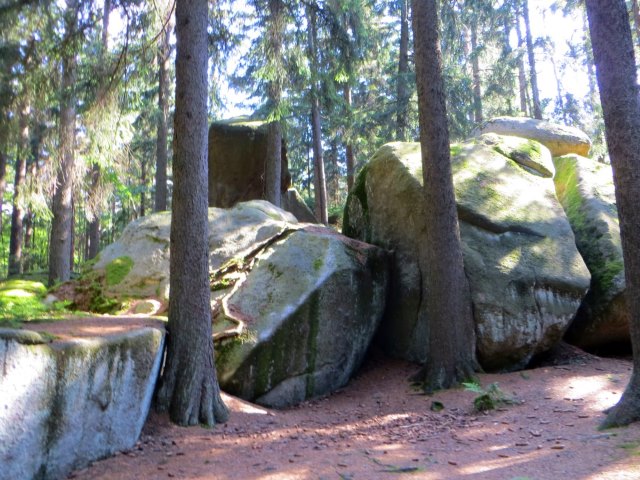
[
  {"x": 402, "y": 117},
  {"x": 273, "y": 161},
  {"x": 446, "y": 297},
  {"x": 522, "y": 78},
  {"x": 189, "y": 388},
  {"x": 320, "y": 184},
  {"x": 61, "y": 225},
  {"x": 93, "y": 228},
  {"x": 164, "y": 51},
  {"x": 4, "y": 133},
  {"x": 17, "y": 216},
  {"x": 535, "y": 93},
  {"x": 616, "y": 73}
]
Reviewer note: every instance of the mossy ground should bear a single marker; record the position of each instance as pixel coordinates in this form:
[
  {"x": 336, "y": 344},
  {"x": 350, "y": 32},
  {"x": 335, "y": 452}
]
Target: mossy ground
[
  {"x": 21, "y": 301},
  {"x": 117, "y": 269}
]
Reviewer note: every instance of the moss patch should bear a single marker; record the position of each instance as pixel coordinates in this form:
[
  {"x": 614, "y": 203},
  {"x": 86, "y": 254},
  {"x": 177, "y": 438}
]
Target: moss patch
[
  {"x": 21, "y": 300},
  {"x": 117, "y": 269}
]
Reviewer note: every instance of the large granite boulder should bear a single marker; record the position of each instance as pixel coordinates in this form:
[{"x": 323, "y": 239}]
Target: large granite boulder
[
  {"x": 295, "y": 306},
  {"x": 237, "y": 153},
  {"x": 585, "y": 189},
  {"x": 65, "y": 404},
  {"x": 559, "y": 139},
  {"x": 527, "y": 278}
]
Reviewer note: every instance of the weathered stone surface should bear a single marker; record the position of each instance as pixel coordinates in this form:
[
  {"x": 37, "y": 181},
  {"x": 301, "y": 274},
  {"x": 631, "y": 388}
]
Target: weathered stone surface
[
  {"x": 559, "y": 139},
  {"x": 313, "y": 300},
  {"x": 237, "y": 153},
  {"x": 146, "y": 241},
  {"x": 63, "y": 405},
  {"x": 293, "y": 202},
  {"x": 295, "y": 306},
  {"x": 526, "y": 276},
  {"x": 585, "y": 189}
]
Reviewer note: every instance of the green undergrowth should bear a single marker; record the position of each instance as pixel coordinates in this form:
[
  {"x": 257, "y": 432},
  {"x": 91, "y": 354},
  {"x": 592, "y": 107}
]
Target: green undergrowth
[
  {"x": 488, "y": 398},
  {"x": 21, "y": 301}
]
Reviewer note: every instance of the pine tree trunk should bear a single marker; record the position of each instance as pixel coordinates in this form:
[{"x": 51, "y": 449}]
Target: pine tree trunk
[
  {"x": 350, "y": 157},
  {"x": 522, "y": 78},
  {"x": 273, "y": 161},
  {"x": 93, "y": 228},
  {"x": 445, "y": 294},
  {"x": 402, "y": 117},
  {"x": 616, "y": 73},
  {"x": 160, "y": 203},
  {"x": 61, "y": 225},
  {"x": 535, "y": 93},
  {"x": 320, "y": 184},
  {"x": 4, "y": 133},
  {"x": 143, "y": 187},
  {"x": 16, "y": 238},
  {"x": 189, "y": 388},
  {"x": 475, "y": 68}
]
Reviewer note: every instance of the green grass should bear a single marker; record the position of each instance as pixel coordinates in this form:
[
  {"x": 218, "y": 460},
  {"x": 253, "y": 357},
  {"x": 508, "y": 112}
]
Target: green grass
[{"x": 21, "y": 301}]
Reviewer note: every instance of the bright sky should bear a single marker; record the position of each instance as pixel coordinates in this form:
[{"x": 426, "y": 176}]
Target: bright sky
[{"x": 544, "y": 22}]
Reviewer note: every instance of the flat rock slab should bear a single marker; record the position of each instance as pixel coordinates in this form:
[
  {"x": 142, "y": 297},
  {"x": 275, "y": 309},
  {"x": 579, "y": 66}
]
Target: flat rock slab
[
  {"x": 559, "y": 139},
  {"x": 67, "y": 403}
]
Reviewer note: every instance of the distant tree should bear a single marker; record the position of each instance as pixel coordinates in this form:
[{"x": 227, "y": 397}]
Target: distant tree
[
  {"x": 451, "y": 342},
  {"x": 273, "y": 163},
  {"x": 189, "y": 388},
  {"x": 616, "y": 73},
  {"x": 402, "y": 116},
  {"x": 535, "y": 93},
  {"x": 60, "y": 247},
  {"x": 320, "y": 184},
  {"x": 17, "y": 216},
  {"x": 164, "y": 52}
]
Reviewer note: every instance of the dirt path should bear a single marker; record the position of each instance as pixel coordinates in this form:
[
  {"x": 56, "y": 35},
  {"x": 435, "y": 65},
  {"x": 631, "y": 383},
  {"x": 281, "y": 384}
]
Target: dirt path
[{"x": 378, "y": 427}]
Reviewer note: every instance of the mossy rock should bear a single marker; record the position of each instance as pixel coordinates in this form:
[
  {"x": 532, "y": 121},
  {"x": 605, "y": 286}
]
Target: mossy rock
[
  {"x": 586, "y": 190},
  {"x": 527, "y": 278}
]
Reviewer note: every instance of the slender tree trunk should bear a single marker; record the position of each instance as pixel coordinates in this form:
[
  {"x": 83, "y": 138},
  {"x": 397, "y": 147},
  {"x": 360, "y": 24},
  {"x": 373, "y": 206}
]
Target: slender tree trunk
[
  {"x": 189, "y": 386},
  {"x": 273, "y": 162},
  {"x": 61, "y": 225},
  {"x": 320, "y": 184},
  {"x": 559, "y": 95},
  {"x": 93, "y": 233},
  {"x": 402, "y": 117},
  {"x": 4, "y": 131},
  {"x": 535, "y": 93},
  {"x": 475, "y": 68},
  {"x": 350, "y": 156},
  {"x": 143, "y": 185},
  {"x": 635, "y": 9},
  {"x": 162, "y": 131},
  {"x": 522, "y": 78},
  {"x": 616, "y": 72},
  {"x": 17, "y": 216},
  {"x": 446, "y": 296}
]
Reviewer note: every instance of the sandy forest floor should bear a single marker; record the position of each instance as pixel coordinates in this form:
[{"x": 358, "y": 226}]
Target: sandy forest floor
[{"x": 378, "y": 427}]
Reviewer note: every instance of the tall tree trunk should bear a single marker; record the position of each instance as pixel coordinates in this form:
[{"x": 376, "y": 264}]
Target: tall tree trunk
[
  {"x": 590, "y": 66},
  {"x": 535, "y": 93},
  {"x": 29, "y": 220},
  {"x": 350, "y": 157},
  {"x": 320, "y": 184},
  {"x": 143, "y": 187},
  {"x": 635, "y": 9},
  {"x": 164, "y": 54},
  {"x": 273, "y": 161},
  {"x": 475, "y": 68},
  {"x": 522, "y": 78},
  {"x": 559, "y": 95},
  {"x": 616, "y": 72},
  {"x": 189, "y": 386},
  {"x": 445, "y": 292},
  {"x": 60, "y": 244},
  {"x": 96, "y": 172},
  {"x": 17, "y": 216},
  {"x": 402, "y": 117},
  {"x": 4, "y": 133}
]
